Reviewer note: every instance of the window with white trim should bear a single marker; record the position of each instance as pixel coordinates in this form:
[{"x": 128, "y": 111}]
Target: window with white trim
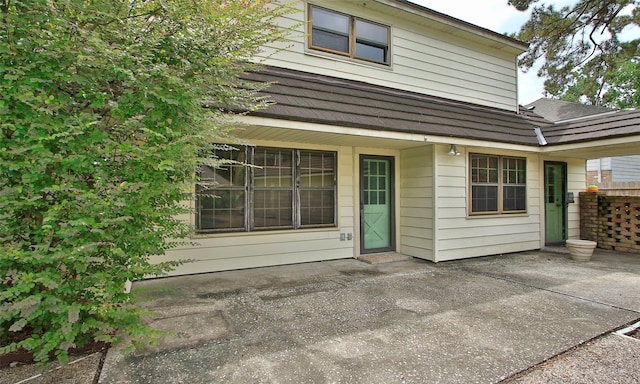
[
  {"x": 260, "y": 188},
  {"x": 347, "y": 35},
  {"x": 498, "y": 184}
]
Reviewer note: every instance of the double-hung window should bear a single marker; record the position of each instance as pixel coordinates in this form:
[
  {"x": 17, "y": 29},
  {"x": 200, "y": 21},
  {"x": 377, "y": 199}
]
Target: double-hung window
[
  {"x": 347, "y": 35},
  {"x": 260, "y": 188},
  {"x": 498, "y": 184}
]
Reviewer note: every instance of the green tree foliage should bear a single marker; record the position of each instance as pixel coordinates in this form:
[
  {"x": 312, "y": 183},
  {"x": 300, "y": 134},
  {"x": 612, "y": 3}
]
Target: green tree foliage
[
  {"x": 625, "y": 84},
  {"x": 101, "y": 124},
  {"x": 581, "y": 46}
]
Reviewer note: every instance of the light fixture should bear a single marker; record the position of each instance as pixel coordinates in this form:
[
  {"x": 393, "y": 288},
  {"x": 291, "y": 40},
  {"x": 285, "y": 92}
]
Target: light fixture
[{"x": 453, "y": 151}]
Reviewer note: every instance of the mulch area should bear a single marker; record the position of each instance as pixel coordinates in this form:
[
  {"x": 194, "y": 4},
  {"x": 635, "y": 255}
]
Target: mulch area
[{"x": 82, "y": 368}]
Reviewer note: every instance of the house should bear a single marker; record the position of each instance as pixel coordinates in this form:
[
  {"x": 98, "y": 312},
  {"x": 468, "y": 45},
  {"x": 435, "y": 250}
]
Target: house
[
  {"x": 559, "y": 111},
  {"x": 614, "y": 175},
  {"x": 396, "y": 129}
]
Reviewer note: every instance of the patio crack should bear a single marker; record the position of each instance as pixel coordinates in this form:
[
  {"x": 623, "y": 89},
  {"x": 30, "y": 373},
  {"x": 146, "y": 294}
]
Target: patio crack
[{"x": 610, "y": 305}]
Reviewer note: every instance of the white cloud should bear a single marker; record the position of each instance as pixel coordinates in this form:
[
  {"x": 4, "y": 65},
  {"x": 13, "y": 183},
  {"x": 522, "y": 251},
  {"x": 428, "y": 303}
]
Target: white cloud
[{"x": 495, "y": 15}]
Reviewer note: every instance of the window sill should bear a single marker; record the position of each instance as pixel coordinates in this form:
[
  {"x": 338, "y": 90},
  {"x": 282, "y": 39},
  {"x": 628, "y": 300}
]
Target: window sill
[
  {"x": 348, "y": 60},
  {"x": 262, "y": 233},
  {"x": 474, "y": 216}
]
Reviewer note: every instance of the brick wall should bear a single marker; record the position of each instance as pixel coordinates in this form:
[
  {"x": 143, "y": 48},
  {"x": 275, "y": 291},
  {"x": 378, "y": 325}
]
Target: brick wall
[
  {"x": 612, "y": 221},
  {"x": 592, "y": 177},
  {"x": 620, "y": 188}
]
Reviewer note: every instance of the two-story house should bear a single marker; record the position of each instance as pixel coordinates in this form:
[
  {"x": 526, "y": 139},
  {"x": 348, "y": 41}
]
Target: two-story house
[{"x": 396, "y": 129}]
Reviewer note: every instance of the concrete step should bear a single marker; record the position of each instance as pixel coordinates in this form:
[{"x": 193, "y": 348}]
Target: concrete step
[{"x": 388, "y": 257}]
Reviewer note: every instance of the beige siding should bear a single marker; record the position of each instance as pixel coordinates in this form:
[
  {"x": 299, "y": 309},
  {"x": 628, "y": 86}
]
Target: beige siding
[
  {"x": 218, "y": 252},
  {"x": 259, "y": 249},
  {"x": 459, "y": 235},
  {"x": 424, "y": 59},
  {"x": 416, "y": 202},
  {"x": 432, "y": 215},
  {"x": 576, "y": 181}
]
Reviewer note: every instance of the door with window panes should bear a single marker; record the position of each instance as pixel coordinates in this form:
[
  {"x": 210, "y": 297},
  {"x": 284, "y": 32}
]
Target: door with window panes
[
  {"x": 376, "y": 204},
  {"x": 555, "y": 187}
]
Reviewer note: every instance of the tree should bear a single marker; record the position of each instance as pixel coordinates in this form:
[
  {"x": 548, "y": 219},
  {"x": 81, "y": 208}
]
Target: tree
[
  {"x": 101, "y": 128},
  {"x": 581, "y": 45},
  {"x": 625, "y": 84}
]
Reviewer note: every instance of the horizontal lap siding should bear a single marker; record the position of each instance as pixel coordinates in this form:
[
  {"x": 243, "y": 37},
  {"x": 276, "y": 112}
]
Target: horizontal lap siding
[
  {"x": 416, "y": 202},
  {"x": 626, "y": 169},
  {"x": 449, "y": 67},
  {"x": 460, "y": 235},
  {"x": 577, "y": 181},
  {"x": 220, "y": 252},
  {"x": 258, "y": 249},
  {"x": 424, "y": 60}
]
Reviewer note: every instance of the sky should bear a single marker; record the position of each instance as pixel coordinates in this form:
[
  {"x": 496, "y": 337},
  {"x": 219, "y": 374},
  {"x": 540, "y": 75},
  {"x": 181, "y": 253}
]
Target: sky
[{"x": 499, "y": 17}]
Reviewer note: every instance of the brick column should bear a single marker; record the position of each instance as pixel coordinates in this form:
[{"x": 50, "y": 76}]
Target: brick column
[{"x": 589, "y": 222}]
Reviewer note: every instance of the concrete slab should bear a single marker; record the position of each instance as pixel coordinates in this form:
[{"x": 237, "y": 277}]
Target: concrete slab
[
  {"x": 187, "y": 328},
  {"x": 610, "y": 359},
  {"x": 478, "y": 320},
  {"x": 389, "y": 257}
]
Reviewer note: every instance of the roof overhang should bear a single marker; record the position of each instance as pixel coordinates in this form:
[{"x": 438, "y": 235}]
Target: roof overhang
[
  {"x": 620, "y": 146},
  {"x": 319, "y": 109},
  {"x": 256, "y": 129}
]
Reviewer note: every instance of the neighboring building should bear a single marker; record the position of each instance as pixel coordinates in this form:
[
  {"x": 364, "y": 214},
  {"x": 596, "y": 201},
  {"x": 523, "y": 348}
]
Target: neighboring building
[
  {"x": 559, "y": 111},
  {"x": 396, "y": 129},
  {"x": 613, "y": 175}
]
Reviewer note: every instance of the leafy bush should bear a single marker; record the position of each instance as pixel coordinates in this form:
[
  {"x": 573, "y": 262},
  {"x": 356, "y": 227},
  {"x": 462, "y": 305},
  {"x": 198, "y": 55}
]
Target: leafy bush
[{"x": 101, "y": 125}]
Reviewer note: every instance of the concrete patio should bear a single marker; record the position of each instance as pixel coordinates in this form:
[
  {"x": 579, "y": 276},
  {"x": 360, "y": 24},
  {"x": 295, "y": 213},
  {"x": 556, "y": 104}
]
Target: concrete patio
[{"x": 469, "y": 321}]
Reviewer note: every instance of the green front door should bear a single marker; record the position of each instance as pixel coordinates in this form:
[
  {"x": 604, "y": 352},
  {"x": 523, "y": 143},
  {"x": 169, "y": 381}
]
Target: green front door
[
  {"x": 376, "y": 204},
  {"x": 555, "y": 207}
]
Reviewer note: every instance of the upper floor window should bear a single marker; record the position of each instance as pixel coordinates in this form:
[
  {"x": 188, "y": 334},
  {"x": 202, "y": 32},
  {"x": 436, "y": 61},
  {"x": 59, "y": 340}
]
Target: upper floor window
[
  {"x": 347, "y": 35},
  {"x": 498, "y": 184}
]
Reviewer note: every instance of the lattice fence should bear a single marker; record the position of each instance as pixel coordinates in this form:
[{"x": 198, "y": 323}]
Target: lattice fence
[{"x": 612, "y": 221}]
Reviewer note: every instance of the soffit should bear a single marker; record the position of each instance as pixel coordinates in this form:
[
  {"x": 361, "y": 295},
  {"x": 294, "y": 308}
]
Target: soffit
[
  {"x": 597, "y": 149},
  {"x": 348, "y": 137}
]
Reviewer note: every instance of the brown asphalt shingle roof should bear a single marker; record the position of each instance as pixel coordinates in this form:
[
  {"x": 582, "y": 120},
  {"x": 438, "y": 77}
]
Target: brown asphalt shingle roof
[
  {"x": 302, "y": 96},
  {"x": 619, "y": 124},
  {"x": 559, "y": 110}
]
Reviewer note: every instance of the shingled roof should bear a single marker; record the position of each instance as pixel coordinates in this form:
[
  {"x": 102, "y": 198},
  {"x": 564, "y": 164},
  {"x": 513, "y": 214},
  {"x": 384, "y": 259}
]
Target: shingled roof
[
  {"x": 619, "y": 124},
  {"x": 302, "y": 96},
  {"x": 559, "y": 110},
  {"x": 307, "y": 97}
]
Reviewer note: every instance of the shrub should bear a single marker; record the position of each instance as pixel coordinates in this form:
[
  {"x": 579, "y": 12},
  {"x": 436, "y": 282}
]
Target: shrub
[{"x": 101, "y": 128}]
